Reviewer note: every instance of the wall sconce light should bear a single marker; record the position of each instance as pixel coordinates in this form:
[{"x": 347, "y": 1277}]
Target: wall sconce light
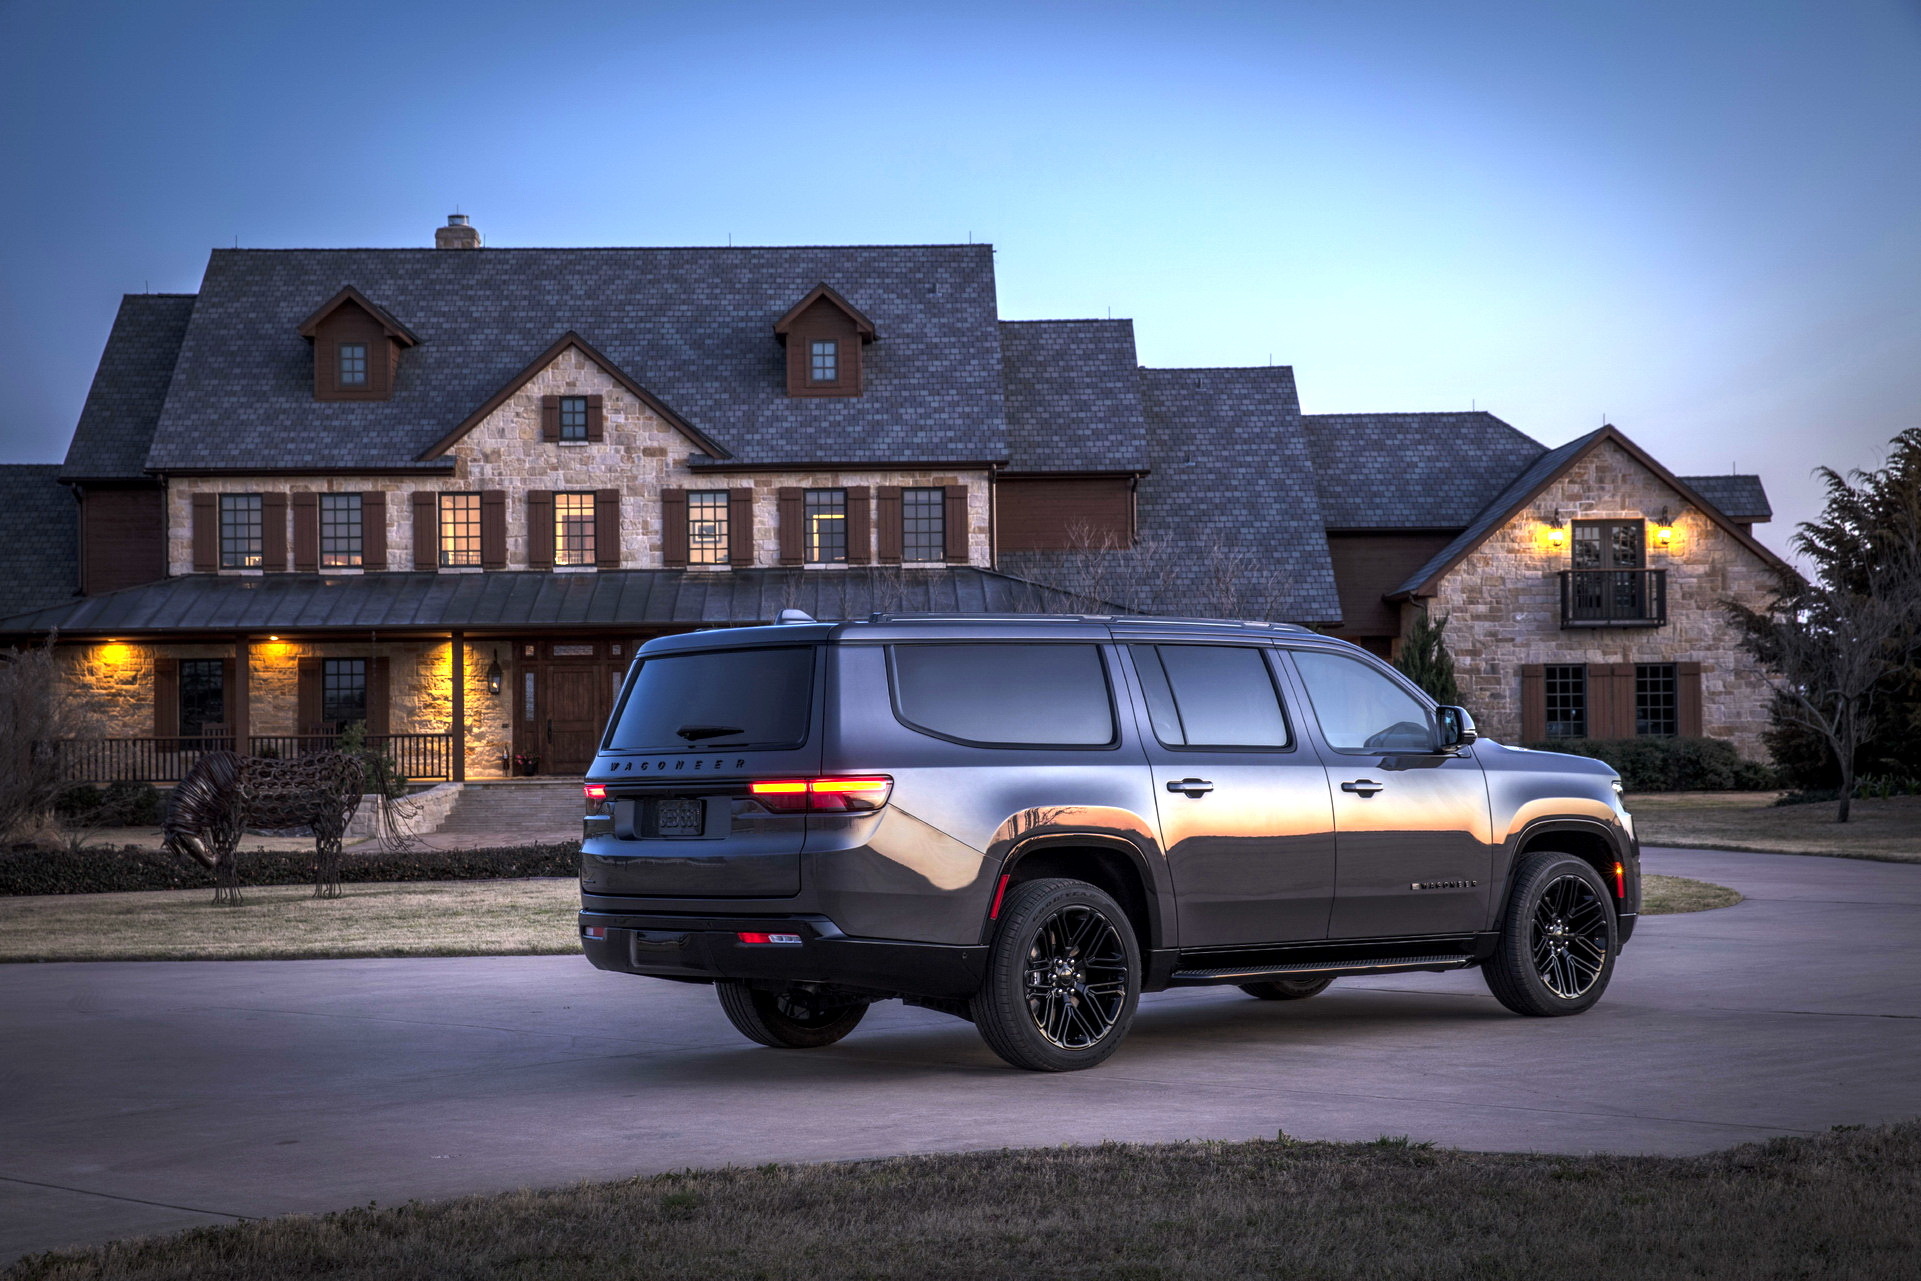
[
  {"x": 1663, "y": 529},
  {"x": 494, "y": 674},
  {"x": 1557, "y": 532}
]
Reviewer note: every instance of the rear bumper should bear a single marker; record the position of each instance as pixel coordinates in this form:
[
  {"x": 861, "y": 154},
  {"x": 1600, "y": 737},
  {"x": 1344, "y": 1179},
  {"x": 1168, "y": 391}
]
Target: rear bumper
[{"x": 705, "y": 948}]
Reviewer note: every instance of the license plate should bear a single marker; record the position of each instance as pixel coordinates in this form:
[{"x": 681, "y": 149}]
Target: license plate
[{"x": 677, "y": 816}]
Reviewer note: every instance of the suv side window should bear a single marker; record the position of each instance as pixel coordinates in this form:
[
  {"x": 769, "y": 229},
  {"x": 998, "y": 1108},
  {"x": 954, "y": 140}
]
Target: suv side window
[
  {"x": 1005, "y": 695},
  {"x": 1211, "y": 696},
  {"x": 1359, "y": 709}
]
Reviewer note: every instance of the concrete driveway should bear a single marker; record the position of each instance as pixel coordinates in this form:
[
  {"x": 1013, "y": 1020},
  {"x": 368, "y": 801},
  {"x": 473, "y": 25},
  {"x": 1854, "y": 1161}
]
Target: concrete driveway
[{"x": 141, "y": 1097}]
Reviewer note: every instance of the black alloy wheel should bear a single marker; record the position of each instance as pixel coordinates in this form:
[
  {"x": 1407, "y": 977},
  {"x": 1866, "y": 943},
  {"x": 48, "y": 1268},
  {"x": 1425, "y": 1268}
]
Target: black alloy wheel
[
  {"x": 1063, "y": 977},
  {"x": 1569, "y": 937},
  {"x": 1558, "y": 940},
  {"x": 1286, "y": 989},
  {"x": 790, "y": 1019}
]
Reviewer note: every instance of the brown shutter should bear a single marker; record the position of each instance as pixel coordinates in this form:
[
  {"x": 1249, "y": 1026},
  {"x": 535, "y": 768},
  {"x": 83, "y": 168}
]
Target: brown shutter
[
  {"x": 206, "y": 533},
  {"x": 954, "y": 524},
  {"x": 493, "y": 529},
  {"x": 273, "y": 531},
  {"x": 793, "y": 514},
  {"x": 166, "y": 697},
  {"x": 426, "y": 529},
  {"x": 673, "y": 528},
  {"x": 1610, "y": 700},
  {"x": 1687, "y": 700},
  {"x": 550, "y": 418},
  {"x": 306, "y": 533},
  {"x": 860, "y": 538},
  {"x": 740, "y": 526},
  {"x": 607, "y": 527},
  {"x": 1533, "y": 704},
  {"x": 373, "y": 530},
  {"x": 540, "y": 529},
  {"x": 379, "y": 718},
  {"x": 594, "y": 429},
  {"x": 891, "y": 535},
  {"x": 307, "y": 689}
]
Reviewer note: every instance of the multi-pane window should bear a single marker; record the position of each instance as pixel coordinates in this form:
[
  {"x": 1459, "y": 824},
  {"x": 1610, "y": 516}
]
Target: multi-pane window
[
  {"x": 573, "y": 529},
  {"x": 353, "y": 364},
  {"x": 826, "y": 526},
  {"x": 824, "y": 362},
  {"x": 343, "y": 691},
  {"x": 1654, "y": 700},
  {"x": 1565, "y": 688},
  {"x": 707, "y": 527},
  {"x": 240, "y": 531},
  {"x": 923, "y": 524},
  {"x": 203, "y": 696},
  {"x": 459, "y": 530},
  {"x": 340, "y": 546},
  {"x": 573, "y": 418}
]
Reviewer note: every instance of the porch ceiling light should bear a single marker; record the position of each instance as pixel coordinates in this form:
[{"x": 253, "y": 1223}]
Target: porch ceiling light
[{"x": 494, "y": 674}]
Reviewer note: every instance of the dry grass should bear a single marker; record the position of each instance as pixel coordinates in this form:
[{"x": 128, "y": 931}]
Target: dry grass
[
  {"x": 285, "y": 922},
  {"x": 1888, "y": 829},
  {"x": 1835, "y": 1205},
  {"x": 1670, "y": 895}
]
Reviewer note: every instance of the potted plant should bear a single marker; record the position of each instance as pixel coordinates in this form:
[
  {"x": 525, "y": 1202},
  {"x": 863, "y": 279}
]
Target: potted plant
[{"x": 525, "y": 765}]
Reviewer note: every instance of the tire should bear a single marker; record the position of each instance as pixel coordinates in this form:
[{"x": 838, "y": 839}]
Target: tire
[
  {"x": 1286, "y": 989},
  {"x": 1063, "y": 978},
  {"x": 1559, "y": 938},
  {"x": 786, "y": 1020}
]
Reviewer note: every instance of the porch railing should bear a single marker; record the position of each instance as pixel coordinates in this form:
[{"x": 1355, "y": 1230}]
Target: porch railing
[
  {"x": 1614, "y": 597},
  {"x": 167, "y": 760}
]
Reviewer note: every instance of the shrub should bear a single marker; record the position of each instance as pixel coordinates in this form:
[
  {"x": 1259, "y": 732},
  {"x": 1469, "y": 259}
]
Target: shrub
[
  {"x": 37, "y": 870},
  {"x": 1425, "y": 660},
  {"x": 1670, "y": 764},
  {"x": 121, "y": 804}
]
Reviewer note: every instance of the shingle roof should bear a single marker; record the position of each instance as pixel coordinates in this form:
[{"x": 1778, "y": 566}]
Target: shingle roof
[
  {"x": 1073, "y": 395},
  {"x": 129, "y": 387},
  {"x": 1412, "y": 471},
  {"x": 693, "y": 326},
  {"x": 1740, "y": 497},
  {"x": 39, "y": 538}
]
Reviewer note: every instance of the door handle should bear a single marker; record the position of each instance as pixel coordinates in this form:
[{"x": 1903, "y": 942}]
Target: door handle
[
  {"x": 1363, "y": 786},
  {"x": 1194, "y": 787}
]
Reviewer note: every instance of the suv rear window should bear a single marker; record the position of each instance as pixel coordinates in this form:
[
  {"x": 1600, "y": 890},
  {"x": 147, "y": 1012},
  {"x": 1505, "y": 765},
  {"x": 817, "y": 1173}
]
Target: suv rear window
[
  {"x": 1005, "y": 695},
  {"x": 730, "y": 698}
]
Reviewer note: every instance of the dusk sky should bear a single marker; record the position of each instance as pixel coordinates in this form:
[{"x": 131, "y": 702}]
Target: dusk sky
[{"x": 1702, "y": 220}]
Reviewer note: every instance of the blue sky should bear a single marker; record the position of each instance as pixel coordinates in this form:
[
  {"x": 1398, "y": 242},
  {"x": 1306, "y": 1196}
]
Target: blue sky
[{"x": 1698, "y": 219}]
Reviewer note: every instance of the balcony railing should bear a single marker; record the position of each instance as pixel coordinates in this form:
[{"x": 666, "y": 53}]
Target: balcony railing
[
  {"x": 1614, "y": 597},
  {"x": 167, "y": 760}
]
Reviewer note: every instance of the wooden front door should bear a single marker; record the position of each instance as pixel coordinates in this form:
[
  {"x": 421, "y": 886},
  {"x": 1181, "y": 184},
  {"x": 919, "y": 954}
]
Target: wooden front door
[{"x": 563, "y": 693}]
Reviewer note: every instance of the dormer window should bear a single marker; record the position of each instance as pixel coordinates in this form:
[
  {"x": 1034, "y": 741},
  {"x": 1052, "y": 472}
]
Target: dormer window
[
  {"x": 353, "y": 364},
  {"x": 573, "y": 418},
  {"x": 824, "y": 335},
  {"x": 825, "y": 366},
  {"x": 356, "y": 348}
]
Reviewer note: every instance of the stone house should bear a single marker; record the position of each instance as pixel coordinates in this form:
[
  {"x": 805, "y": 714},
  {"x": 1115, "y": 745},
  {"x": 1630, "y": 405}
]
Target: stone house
[{"x": 445, "y": 492}]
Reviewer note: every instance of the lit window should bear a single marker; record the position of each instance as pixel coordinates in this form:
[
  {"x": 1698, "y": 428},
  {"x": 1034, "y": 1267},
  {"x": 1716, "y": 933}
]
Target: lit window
[
  {"x": 573, "y": 418},
  {"x": 825, "y": 366},
  {"x": 353, "y": 364},
  {"x": 240, "y": 531},
  {"x": 1654, "y": 700},
  {"x": 459, "y": 530},
  {"x": 573, "y": 529},
  {"x": 707, "y": 527},
  {"x": 340, "y": 531},
  {"x": 923, "y": 519},
  {"x": 1565, "y": 689},
  {"x": 343, "y": 691},
  {"x": 826, "y": 512}
]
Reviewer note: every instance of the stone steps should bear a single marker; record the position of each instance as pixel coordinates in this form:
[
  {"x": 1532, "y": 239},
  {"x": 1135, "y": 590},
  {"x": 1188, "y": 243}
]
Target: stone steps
[{"x": 512, "y": 812}]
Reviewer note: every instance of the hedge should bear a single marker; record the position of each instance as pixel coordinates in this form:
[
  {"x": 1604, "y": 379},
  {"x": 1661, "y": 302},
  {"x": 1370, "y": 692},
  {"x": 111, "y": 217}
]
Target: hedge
[
  {"x": 109, "y": 870},
  {"x": 1671, "y": 764}
]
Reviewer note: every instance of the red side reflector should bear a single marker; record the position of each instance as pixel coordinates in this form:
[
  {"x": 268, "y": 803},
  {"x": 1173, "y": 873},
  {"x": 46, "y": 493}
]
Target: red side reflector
[
  {"x": 595, "y": 791},
  {"x": 822, "y": 795},
  {"x": 1000, "y": 892},
  {"x": 1620, "y": 881}
]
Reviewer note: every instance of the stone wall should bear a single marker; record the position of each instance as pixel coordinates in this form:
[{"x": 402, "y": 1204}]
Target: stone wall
[{"x": 1503, "y": 602}]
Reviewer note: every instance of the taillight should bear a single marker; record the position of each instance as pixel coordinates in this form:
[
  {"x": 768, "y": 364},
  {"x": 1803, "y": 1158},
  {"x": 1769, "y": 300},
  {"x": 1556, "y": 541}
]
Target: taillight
[
  {"x": 822, "y": 795},
  {"x": 595, "y": 791},
  {"x": 754, "y": 937}
]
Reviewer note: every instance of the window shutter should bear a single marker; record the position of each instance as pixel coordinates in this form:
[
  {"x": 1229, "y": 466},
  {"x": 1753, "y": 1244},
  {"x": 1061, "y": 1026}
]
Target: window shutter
[
  {"x": 1533, "y": 704},
  {"x": 793, "y": 514},
  {"x": 594, "y": 429},
  {"x": 673, "y": 528},
  {"x": 166, "y": 697},
  {"x": 954, "y": 524},
  {"x": 1687, "y": 700},
  {"x": 373, "y": 530},
  {"x": 607, "y": 527},
  {"x": 379, "y": 717},
  {"x": 740, "y": 526},
  {"x": 273, "y": 532},
  {"x": 550, "y": 418},
  {"x": 307, "y": 689},
  {"x": 493, "y": 529},
  {"x": 860, "y": 538},
  {"x": 891, "y": 535},
  {"x": 426, "y": 529},
  {"x": 306, "y": 533},
  {"x": 1610, "y": 700},
  {"x": 540, "y": 529},
  {"x": 206, "y": 533}
]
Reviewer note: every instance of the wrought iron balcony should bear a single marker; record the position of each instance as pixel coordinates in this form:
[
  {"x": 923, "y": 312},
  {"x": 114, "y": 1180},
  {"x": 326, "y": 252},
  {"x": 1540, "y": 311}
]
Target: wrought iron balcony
[{"x": 1614, "y": 597}]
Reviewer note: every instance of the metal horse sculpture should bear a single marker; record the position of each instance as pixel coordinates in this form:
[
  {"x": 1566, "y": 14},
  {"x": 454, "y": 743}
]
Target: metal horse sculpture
[{"x": 224, "y": 794}]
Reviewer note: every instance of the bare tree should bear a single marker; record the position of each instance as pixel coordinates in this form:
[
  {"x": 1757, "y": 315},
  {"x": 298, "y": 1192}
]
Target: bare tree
[
  {"x": 1159, "y": 574},
  {"x": 38, "y": 712}
]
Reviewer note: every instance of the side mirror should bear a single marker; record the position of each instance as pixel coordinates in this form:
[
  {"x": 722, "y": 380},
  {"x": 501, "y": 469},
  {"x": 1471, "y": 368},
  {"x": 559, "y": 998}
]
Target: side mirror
[{"x": 1453, "y": 727}]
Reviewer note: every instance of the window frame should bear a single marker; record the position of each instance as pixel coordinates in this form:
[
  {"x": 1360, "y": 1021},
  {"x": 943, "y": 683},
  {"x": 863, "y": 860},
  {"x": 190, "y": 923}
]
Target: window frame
[
  {"x": 939, "y": 505},
  {"x": 1672, "y": 673},
  {"x": 365, "y": 381},
  {"x": 562, "y": 424},
  {"x": 814, "y": 354},
  {"x": 1548, "y": 695},
  {"x": 357, "y": 530},
  {"x": 1108, "y": 671},
  {"x": 328, "y": 668},
  {"x": 807, "y": 541},
  {"x": 442, "y": 551},
  {"x": 590, "y": 549},
  {"x": 1269, "y": 655},
  {"x": 198, "y": 666},
  {"x": 722, "y": 552},
  {"x": 259, "y": 525}
]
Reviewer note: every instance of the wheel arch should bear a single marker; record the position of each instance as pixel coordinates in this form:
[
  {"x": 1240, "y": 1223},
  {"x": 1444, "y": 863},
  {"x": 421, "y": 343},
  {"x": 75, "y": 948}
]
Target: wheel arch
[
  {"x": 1591, "y": 842},
  {"x": 1114, "y": 866}
]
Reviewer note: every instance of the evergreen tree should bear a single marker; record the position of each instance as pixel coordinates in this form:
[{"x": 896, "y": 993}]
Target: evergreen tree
[{"x": 1425, "y": 661}]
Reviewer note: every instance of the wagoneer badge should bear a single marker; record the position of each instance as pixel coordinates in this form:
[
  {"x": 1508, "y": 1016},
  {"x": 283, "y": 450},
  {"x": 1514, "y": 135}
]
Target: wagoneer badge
[{"x": 1443, "y": 885}]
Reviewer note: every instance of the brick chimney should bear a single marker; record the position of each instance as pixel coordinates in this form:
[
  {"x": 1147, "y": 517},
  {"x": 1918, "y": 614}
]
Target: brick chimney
[{"x": 457, "y": 234}]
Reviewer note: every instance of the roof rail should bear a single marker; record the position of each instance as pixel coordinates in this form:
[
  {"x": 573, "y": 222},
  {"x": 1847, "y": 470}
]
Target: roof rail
[{"x": 987, "y": 617}]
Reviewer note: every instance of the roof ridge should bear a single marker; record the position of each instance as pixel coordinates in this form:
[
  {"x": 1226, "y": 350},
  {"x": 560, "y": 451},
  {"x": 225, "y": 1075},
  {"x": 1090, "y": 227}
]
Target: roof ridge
[{"x": 591, "y": 249}]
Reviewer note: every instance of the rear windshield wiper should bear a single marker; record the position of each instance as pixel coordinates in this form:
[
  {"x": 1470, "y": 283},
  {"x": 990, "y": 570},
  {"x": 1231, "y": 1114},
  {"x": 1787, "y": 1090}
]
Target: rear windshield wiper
[{"x": 694, "y": 733}]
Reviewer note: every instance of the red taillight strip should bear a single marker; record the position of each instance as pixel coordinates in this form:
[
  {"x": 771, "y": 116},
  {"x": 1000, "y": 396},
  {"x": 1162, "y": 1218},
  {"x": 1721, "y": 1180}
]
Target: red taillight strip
[
  {"x": 1000, "y": 892},
  {"x": 778, "y": 787},
  {"x": 823, "y": 795},
  {"x": 595, "y": 791}
]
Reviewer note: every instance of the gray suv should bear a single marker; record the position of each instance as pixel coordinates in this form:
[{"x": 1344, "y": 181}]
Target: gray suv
[{"x": 1026, "y": 821}]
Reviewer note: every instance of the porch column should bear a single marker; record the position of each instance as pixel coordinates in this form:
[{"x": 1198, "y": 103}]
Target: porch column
[
  {"x": 243, "y": 682},
  {"x": 460, "y": 706}
]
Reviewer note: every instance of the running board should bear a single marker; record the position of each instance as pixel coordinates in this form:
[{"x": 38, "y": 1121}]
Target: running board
[{"x": 1317, "y": 969}]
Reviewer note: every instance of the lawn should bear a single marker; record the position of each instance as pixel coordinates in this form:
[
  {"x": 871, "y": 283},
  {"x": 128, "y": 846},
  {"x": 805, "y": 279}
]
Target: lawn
[
  {"x": 1834, "y": 1205},
  {"x": 1887, "y": 829}
]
